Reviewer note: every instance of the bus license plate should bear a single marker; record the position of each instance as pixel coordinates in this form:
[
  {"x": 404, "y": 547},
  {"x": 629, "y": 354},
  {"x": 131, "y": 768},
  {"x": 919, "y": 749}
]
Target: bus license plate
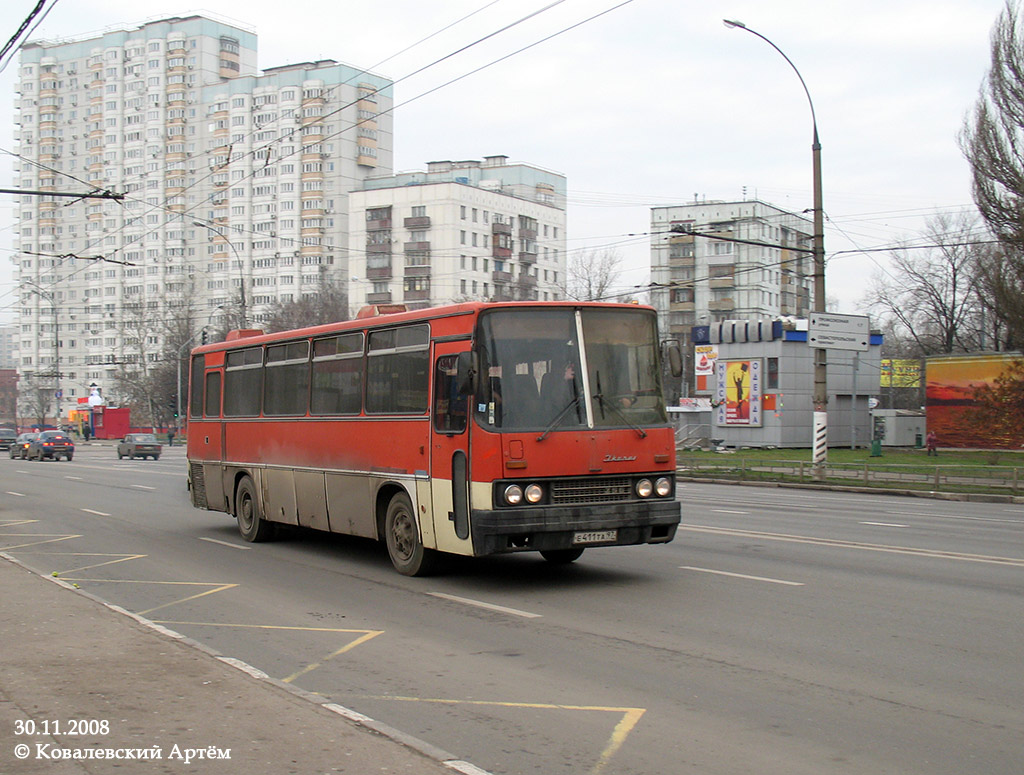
[{"x": 595, "y": 537}]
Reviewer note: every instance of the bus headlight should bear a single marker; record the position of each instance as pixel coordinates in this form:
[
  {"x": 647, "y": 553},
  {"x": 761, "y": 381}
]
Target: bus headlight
[
  {"x": 644, "y": 488},
  {"x": 534, "y": 493},
  {"x": 663, "y": 487},
  {"x": 513, "y": 495}
]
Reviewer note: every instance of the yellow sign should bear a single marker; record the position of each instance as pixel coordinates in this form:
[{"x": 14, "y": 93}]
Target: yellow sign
[{"x": 900, "y": 373}]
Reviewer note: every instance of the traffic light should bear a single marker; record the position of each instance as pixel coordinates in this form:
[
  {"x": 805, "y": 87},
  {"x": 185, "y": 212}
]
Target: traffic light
[
  {"x": 172, "y": 404},
  {"x": 205, "y": 336}
]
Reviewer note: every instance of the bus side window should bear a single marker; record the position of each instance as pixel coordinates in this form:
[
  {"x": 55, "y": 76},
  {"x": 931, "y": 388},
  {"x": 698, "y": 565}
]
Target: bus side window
[
  {"x": 449, "y": 404},
  {"x": 195, "y": 398},
  {"x": 212, "y": 405},
  {"x": 398, "y": 370}
]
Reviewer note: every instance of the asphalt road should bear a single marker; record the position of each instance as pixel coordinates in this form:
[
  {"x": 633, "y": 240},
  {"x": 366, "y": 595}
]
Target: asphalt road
[{"x": 784, "y": 631}]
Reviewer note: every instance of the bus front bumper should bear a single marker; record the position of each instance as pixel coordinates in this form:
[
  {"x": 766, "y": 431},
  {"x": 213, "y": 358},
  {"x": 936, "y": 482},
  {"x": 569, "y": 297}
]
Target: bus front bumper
[{"x": 545, "y": 528}]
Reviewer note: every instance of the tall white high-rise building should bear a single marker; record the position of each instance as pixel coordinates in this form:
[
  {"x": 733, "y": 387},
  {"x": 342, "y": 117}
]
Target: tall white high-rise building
[
  {"x": 235, "y": 181},
  {"x": 460, "y": 230},
  {"x": 760, "y": 268}
]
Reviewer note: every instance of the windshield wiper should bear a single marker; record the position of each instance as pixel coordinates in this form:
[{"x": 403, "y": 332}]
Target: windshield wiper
[
  {"x": 621, "y": 415},
  {"x": 558, "y": 418}
]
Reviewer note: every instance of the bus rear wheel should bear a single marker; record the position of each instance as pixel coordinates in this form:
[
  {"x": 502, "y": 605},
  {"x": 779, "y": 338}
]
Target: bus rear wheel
[
  {"x": 561, "y": 556},
  {"x": 251, "y": 524},
  {"x": 405, "y": 548}
]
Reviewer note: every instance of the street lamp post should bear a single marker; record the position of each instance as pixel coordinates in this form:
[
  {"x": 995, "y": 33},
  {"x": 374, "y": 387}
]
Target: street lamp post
[
  {"x": 820, "y": 432},
  {"x": 241, "y": 268}
]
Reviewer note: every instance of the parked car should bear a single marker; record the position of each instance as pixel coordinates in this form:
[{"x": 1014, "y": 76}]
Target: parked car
[
  {"x": 20, "y": 446},
  {"x": 50, "y": 444},
  {"x": 139, "y": 445},
  {"x": 7, "y": 438}
]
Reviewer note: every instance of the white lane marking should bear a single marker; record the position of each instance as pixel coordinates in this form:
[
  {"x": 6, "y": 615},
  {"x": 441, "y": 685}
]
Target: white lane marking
[
  {"x": 834, "y": 542},
  {"x": 97, "y": 513},
  {"x": 143, "y": 487},
  {"x": 75, "y": 478},
  {"x": 489, "y": 606},
  {"x": 884, "y": 524},
  {"x": 727, "y": 511},
  {"x": 743, "y": 576},
  {"x": 16, "y": 494},
  {"x": 223, "y": 543},
  {"x": 933, "y": 515}
]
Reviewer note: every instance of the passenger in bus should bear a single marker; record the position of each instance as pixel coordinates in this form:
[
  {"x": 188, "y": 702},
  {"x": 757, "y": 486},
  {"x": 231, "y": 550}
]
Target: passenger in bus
[{"x": 558, "y": 389}]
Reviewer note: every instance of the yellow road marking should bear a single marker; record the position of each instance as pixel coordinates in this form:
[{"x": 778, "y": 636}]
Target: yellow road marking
[
  {"x": 629, "y": 720},
  {"x": 310, "y": 668},
  {"x": 218, "y": 587},
  {"x": 366, "y": 635},
  {"x": 51, "y": 538}
]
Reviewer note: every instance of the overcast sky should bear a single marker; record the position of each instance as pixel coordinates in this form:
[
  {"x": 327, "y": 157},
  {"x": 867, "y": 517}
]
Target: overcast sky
[{"x": 650, "y": 104}]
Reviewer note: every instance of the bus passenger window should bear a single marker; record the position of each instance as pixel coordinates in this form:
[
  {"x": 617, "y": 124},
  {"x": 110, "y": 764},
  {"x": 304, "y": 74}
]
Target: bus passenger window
[
  {"x": 286, "y": 380},
  {"x": 398, "y": 370},
  {"x": 195, "y": 398},
  {"x": 212, "y": 407},
  {"x": 243, "y": 380},
  {"x": 338, "y": 374}
]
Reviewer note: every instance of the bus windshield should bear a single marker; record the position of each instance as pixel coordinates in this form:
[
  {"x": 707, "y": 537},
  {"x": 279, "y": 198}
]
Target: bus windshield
[{"x": 535, "y": 375}]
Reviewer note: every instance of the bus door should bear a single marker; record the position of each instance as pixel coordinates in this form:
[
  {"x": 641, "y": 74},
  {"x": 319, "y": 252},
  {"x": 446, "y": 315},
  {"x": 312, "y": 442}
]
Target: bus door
[{"x": 449, "y": 452}]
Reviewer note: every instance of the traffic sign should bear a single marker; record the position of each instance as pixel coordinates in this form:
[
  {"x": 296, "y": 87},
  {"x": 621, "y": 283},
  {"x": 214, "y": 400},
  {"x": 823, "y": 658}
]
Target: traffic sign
[{"x": 831, "y": 331}]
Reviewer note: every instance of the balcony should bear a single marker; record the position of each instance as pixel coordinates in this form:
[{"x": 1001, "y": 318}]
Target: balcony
[
  {"x": 379, "y": 298},
  {"x": 502, "y": 253},
  {"x": 417, "y": 295},
  {"x": 721, "y": 305},
  {"x": 418, "y": 270},
  {"x": 416, "y": 247},
  {"x": 721, "y": 282},
  {"x": 498, "y": 227},
  {"x": 527, "y": 258},
  {"x": 379, "y": 248},
  {"x": 417, "y": 222},
  {"x": 501, "y": 277},
  {"x": 379, "y": 225}
]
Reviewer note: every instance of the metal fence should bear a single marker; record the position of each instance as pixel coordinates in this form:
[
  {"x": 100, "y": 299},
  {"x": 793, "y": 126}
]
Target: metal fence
[{"x": 1005, "y": 480}]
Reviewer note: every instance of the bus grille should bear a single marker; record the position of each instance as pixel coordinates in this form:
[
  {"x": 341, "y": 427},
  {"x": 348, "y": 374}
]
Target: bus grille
[{"x": 569, "y": 491}]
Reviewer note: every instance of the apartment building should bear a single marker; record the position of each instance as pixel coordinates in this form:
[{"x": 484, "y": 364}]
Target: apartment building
[
  {"x": 235, "y": 180},
  {"x": 459, "y": 230},
  {"x": 759, "y": 267}
]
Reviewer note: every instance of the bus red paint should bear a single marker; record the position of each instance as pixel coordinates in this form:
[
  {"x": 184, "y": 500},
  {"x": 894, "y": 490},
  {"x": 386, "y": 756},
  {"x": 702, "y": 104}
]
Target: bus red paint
[{"x": 471, "y": 429}]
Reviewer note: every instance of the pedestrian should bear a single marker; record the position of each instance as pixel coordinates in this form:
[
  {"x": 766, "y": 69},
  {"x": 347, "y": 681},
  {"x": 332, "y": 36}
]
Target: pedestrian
[
  {"x": 932, "y": 443},
  {"x": 170, "y": 437}
]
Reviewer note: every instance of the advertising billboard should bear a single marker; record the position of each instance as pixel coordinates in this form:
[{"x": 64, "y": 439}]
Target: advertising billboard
[{"x": 738, "y": 388}]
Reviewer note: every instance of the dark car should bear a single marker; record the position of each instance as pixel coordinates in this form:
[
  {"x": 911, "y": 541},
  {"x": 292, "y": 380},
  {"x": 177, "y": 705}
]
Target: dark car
[
  {"x": 20, "y": 446},
  {"x": 7, "y": 438},
  {"x": 139, "y": 445},
  {"x": 50, "y": 444}
]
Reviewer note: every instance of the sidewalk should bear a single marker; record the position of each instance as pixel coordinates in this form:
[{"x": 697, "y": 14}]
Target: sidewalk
[{"x": 146, "y": 700}]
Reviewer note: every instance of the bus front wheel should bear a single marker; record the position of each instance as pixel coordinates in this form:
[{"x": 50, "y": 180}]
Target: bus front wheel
[
  {"x": 251, "y": 524},
  {"x": 405, "y": 548}
]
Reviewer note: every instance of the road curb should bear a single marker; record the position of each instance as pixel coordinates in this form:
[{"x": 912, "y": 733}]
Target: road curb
[
  {"x": 965, "y": 497},
  {"x": 422, "y": 747}
]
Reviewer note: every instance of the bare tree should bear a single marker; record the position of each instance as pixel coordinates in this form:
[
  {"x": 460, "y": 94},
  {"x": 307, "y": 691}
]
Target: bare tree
[
  {"x": 328, "y": 305},
  {"x": 992, "y": 140},
  {"x": 930, "y": 299},
  {"x": 592, "y": 274}
]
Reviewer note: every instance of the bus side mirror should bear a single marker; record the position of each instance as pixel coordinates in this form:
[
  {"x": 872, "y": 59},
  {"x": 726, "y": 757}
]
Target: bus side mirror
[
  {"x": 675, "y": 360},
  {"x": 466, "y": 371}
]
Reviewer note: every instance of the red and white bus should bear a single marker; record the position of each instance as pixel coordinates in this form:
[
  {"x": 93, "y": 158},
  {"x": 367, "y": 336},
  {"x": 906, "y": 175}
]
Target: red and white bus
[{"x": 470, "y": 429}]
